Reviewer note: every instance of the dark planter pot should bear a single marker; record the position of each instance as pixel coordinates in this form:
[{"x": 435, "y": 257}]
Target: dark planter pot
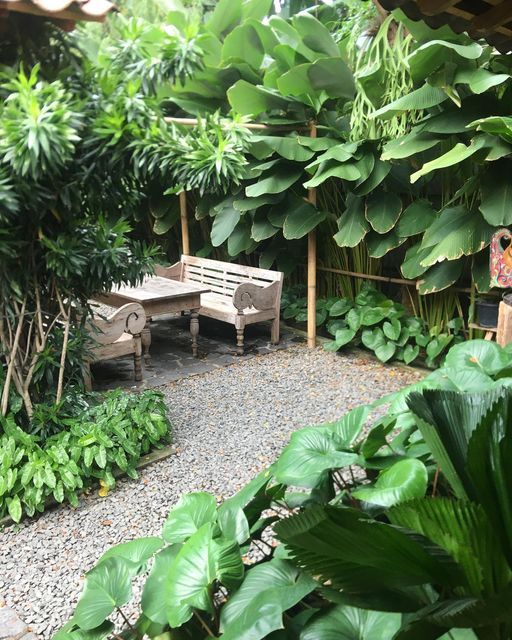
[{"x": 487, "y": 313}]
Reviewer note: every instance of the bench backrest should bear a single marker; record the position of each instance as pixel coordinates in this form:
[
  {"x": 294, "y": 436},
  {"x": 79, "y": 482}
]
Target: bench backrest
[{"x": 223, "y": 277}]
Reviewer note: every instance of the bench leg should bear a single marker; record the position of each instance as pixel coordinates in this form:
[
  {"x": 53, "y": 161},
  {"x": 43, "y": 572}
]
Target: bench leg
[
  {"x": 194, "y": 329},
  {"x": 137, "y": 359},
  {"x": 240, "y": 341},
  {"x": 87, "y": 377},
  {"x": 274, "y": 331},
  {"x": 146, "y": 343}
]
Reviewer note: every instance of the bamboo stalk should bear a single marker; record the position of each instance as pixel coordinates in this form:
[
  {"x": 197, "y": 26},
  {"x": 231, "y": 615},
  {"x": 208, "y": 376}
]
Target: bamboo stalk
[
  {"x": 312, "y": 267},
  {"x": 12, "y": 359},
  {"x": 192, "y": 122},
  {"x": 185, "y": 240},
  {"x": 62, "y": 363}
]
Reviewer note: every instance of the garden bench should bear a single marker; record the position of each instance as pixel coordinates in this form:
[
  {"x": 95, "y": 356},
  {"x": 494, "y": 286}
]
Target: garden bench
[
  {"x": 239, "y": 295},
  {"x": 116, "y": 335}
]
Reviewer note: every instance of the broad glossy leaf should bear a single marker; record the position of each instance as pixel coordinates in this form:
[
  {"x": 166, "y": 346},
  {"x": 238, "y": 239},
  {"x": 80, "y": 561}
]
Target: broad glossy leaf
[
  {"x": 240, "y": 238},
  {"x": 107, "y": 586},
  {"x": 383, "y": 210},
  {"x": 454, "y": 233},
  {"x": 408, "y": 145},
  {"x": 379, "y": 172},
  {"x": 251, "y": 100},
  {"x": 373, "y": 338},
  {"x": 386, "y": 351},
  {"x": 257, "y": 608},
  {"x": 244, "y": 44},
  {"x": 309, "y": 455},
  {"x": 262, "y": 228},
  {"x": 153, "y": 600},
  {"x": 441, "y": 276},
  {"x": 479, "y": 80},
  {"x": 378, "y": 245},
  {"x": 411, "y": 353},
  {"x": 192, "y": 511},
  {"x": 250, "y": 204},
  {"x": 331, "y": 169},
  {"x": 349, "y": 623},
  {"x": 279, "y": 179},
  {"x": 135, "y": 553},
  {"x": 496, "y": 125},
  {"x": 405, "y": 480},
  {"x": 483, "y": 355},
  {"x": 225, "y": 17},
  {"x": 340, "y": 307},
  {"x": 416, "y": 218},
  {"x": 496, "y": 201},
  {"x": 223, "y": 224},
  {"x": 301, "y": 220},
  {"x": 344, "y": 336},
  {"x": 287, "y": 147},
  {"x": 189, "y": 578},
  {"x": 422, "y": 98},
  {"x": 457, "y": 154},
  {"x": 315, "y": 35},
  {"x": 352, "y": 225},
  {"x": 411, "y": 267},
  {"x": 333, "y": 76},
  {"x": 428, "y": 57}
]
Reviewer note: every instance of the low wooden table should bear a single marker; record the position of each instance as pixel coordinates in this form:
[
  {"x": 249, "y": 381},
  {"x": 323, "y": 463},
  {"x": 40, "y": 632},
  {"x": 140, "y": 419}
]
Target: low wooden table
[{"x": 160, "y": 296}]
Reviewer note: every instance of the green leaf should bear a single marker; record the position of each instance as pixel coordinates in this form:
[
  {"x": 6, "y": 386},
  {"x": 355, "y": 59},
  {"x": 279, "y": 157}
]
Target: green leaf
[
  {"x": 411, "y": 267},
  {"x": 301, "y": 220},
  {"x": 416, "y": 218},
  {"x": 383, "y": 210},
  {"x": 408, "y": 145},
  {"x": 333, "y": 76},
  {"x": 392, "y": 329},
  {"x": 340, "y": 308},
  {"x": 14, "y": 508},
  {"x": 348, "y": 623},
  {"x": 411, "y": 353},
  {"x": 440, "y": 277},
  {"x": 223, "y": 224},
  {"x": 344, "y": 336},
  {"x": 456, "y": 155},
  {"x": 288, "y": 147},
  {"x": 262, "y": 228},
  {"x": 311, "y": 452},
  {"x": 385, "y": 352},
  {"x": 352, "y": 225},
  {"x": 281, "y": 178},
  {"x": 378, "y": 245},
  {"x": 479, "y": 80},
  {"x": 226, "y": 15},
  {"x": 243, "y": 44},
  {"x": 496, "y": 200},
  {"x": 315, "y": 35},
  {"x": 134, "y": 553},
  {"x": 107, "y": 586},
  {"x": 248, "y": 99},
  {"x": 240, "y": 238},
  {"x": 422, "y": 98},
  {"x": 429, "y": 56},
  {"x": 405, "y": 480},
  {"x": 373, "y": 338},
  {"x": 153, "y": 600},
  {"x": 379, "y": 173},
  {"x": 483, "y": 355},
  {"x": 192, "y": 511},
  {"x": 257, "y": 608},
  {"x": 189, "y": 578}
]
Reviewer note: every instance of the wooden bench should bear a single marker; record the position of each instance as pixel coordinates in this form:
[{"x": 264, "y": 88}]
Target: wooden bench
[
  {"x": 115, "y": 336},
  {"x": 239, "y": 294}
]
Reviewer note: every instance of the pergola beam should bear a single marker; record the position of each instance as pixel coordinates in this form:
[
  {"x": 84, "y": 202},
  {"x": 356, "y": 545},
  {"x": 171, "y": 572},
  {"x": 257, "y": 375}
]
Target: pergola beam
[
  {"x": 489, "y": 21},
  {"x": 433, "y": 7}
]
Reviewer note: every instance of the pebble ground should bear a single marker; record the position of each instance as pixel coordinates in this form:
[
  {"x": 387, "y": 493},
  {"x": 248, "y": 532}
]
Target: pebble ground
[{"x": 228, "y": 424}]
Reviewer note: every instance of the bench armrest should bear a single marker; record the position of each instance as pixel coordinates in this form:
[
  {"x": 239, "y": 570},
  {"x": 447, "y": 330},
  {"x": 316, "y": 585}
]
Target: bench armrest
[
  {"x": 174, "y": 272},
  {"x": 248, "y": 295},
  {"x": 130, "y": 318}
]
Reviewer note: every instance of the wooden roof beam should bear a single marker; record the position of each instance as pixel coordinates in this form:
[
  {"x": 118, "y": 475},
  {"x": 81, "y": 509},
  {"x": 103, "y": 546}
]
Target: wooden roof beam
[
  {"x": 433, "y": 7},
  {"x": 492, "y": 19}
]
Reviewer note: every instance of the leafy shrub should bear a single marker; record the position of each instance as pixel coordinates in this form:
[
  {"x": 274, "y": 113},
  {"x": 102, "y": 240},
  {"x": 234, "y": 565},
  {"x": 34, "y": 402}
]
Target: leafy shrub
[
  {"x": 335, "y": 478},
  {"x": 383, "y": 326},
  {"x": 106, "y": 438}
]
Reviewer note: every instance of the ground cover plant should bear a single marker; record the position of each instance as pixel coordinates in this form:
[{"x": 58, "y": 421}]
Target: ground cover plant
[
  {"x": 334, "y": 497},
  {"x": 105, "y": 436},
  {"x": 377, "y": 323}
]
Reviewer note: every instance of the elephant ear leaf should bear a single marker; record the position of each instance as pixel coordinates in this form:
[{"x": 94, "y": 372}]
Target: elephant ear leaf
[
  {"x": 405, "y": 480},
  {"x": 347, "y": 623}
]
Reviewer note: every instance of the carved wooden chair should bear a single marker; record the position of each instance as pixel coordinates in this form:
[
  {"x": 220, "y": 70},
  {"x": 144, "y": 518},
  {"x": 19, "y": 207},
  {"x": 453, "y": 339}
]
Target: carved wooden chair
[{"x": 115, "y": 336}]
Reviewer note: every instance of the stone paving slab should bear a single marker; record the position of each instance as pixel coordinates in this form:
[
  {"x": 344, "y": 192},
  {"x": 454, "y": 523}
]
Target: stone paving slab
[
  {"x": 171, "y": 354},
  {"x": 12, "y": 626}
]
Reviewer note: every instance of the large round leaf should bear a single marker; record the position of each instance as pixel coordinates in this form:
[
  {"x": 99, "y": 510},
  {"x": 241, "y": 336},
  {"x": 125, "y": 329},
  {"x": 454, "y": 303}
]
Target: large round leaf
[
  {"x": 496, "y": 202},
  {"x": 301, "y": 220},
  {"x": 223, "y": 224},
  {"x": 310, "y": 454},
  {"x": 348, "y": 623},
  {"x": 244, "y": 44},
  {"x": 378, "y": 245},
  {"x": 353, "y": 225},
  {"x": 107, "y": 586},
  {"x": 279, "y": 179},
  {"x": 192, "y": 511},
  {"x": 440, "y": 276},
  {"x": 416, "y": 218},
  {"x": 405, "y": 480},
  {"x": 383, "y": 210},
  {"x": 134, "y": 553},
  {"x": 257, "y": 608},
  {"x": 482, "y": 355},
  {"x": 153, "y": 601}
]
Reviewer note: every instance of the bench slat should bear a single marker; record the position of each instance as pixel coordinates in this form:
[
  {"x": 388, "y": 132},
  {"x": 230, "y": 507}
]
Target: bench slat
[{"x": 265, "y": 275}]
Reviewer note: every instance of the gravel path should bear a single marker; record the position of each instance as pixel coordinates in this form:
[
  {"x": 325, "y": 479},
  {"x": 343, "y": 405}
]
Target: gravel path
[{"x": 228, "y": 424}]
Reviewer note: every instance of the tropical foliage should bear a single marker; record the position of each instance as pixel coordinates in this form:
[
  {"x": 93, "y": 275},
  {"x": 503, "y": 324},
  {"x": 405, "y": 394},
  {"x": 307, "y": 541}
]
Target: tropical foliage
[
  {"x": 94, "y": 442},
  {"x": 341, "y": 570}
]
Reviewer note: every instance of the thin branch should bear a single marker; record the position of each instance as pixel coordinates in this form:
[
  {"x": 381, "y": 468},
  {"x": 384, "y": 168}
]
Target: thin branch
[
  {"x": 12, "y": 359},
  {"x": 203, "y": 624}
]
